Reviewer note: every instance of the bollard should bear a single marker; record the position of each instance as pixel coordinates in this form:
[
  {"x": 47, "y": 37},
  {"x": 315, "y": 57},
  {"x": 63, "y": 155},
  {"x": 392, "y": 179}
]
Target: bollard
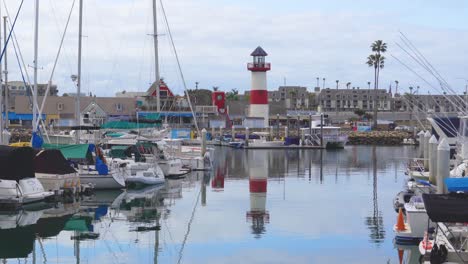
[
  {"x": 247, "y": 135},
  {"x": 443, "y": 165},
  {"x": 203, "y": 140},
  {"x": 233, "y": 133},
  {"x": 421, "y": 144},
  {"x": 427, "y": 136},
  {"x": 433, "y": 143}
]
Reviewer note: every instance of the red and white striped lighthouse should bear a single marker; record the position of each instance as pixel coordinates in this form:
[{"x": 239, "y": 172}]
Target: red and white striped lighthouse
[{"x": 258, "y": 93}]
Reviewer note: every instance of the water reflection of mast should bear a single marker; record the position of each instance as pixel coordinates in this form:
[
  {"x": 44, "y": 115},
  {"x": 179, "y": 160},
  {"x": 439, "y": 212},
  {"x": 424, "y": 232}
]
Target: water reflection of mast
[
  {"x": 375, "y": 222},
  {"x": 321, "y": 166}
]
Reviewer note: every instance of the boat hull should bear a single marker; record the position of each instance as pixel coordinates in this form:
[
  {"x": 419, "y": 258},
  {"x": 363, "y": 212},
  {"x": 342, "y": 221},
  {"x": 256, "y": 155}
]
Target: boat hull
[{"x": 103, "y": 182}]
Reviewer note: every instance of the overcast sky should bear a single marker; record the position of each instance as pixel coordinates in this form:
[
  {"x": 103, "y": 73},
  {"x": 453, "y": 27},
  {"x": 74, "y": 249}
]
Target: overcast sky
[{"x": 305, "y": 39}]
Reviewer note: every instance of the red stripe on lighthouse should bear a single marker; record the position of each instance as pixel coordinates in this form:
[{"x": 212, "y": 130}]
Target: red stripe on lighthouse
[
  {"x": 258, "y": 185},
  {"x": 259, "y": 97}
]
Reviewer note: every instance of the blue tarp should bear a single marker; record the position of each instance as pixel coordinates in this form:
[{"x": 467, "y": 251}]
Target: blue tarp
[{"x": 457, "y": 184}]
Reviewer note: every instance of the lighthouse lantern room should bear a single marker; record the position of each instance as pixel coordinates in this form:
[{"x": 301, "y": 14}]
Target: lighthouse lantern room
[{"x": 259, "y": 94}]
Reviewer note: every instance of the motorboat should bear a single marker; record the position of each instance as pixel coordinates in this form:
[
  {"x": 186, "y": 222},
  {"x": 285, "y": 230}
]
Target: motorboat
[
  {"x": 18, "y": 184},
  {"x": 54, "y": 171},
  {"x": 416, "y": 223},
  {"x": 264, "y": 141},
  {"x": 151, "y": 176}
]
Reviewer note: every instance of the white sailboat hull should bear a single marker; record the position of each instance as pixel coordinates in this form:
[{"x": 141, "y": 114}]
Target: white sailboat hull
[
  {"x": 55, "y": 182},
  {"x": 103, "y": 182}
]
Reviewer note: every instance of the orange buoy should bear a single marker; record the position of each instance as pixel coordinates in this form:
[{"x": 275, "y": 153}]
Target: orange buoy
[
  {"x": 400, "y": 255},
  {"x": 400, "y": 226}
]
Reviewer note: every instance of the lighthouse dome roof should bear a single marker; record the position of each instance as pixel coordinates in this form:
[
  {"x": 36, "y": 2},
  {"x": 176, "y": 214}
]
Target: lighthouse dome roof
[{"x": 259, "y": 52}]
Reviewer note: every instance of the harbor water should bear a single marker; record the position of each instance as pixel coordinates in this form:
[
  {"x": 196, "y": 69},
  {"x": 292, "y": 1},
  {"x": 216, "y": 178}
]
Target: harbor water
[{"x": 255, "y": 206}]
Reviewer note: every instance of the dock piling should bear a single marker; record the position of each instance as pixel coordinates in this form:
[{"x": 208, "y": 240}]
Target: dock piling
[
  {"x": 247, "y": 135},
  {"x": 421, "y": 144},
  {"x": 443, "y": 165},
  {"x": 427, "y": 136},
  {"x": 433, "y": 143},
  {"x": 203, "y": 146}
]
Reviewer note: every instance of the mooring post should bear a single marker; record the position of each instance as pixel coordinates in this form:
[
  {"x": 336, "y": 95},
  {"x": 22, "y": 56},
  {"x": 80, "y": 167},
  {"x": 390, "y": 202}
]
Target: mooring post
[
  {"x": 247, "y": 135},
  {"x": 433, "y": 144},
  {"x": 421, "y": 144},
  {"x": 443, "y": 165},
  {"x": 427, "y": 136},
  {"x": 203, "y": 146}
]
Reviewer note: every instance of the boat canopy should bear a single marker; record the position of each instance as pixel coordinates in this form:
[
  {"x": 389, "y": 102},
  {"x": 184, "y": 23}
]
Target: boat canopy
[
  {"x": 51, "y": 161},
  {"x": 127, "y": 125},
  {"x": 447, "y": 208},
  {"x": 119, "y": 152},
  {"x": 16, "y": 163},
  {"x": 73, "y": 152}
]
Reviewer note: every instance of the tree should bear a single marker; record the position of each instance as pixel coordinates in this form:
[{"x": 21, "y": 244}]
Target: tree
[
  {"x": 377, "y": 61},
  {"x": 360, "y": 113},
  {"x": 232, "y": 95},
  {"x": 368, "y": 116}
]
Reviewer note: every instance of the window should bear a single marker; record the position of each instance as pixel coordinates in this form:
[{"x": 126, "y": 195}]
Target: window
[
  {"x": 59, "y": 106},
  {"x": 119, "y": 107}
]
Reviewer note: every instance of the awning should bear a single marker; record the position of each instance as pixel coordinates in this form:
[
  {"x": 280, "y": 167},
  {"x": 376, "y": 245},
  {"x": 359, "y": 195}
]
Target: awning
[{"x": 75, "y": 152}]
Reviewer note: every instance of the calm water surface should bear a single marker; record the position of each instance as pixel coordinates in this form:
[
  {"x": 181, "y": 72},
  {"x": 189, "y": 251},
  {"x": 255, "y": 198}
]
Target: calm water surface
[{"x": 256, "y": 206}]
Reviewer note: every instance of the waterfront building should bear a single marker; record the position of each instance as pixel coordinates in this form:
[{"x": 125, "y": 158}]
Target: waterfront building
[
  {"x": 60, "y": 110},
  {"x": 292, "y": 97},
  {"x": 348, "y": 100}
]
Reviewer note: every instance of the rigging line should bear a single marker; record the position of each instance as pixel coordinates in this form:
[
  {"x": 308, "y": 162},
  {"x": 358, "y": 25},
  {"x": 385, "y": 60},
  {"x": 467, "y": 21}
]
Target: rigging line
[
  {"x": 188, "y": 228},
  {"x": 418, "y": 52},
  {"x": 436, "y": 75},
  {"x": 429, "y": 72},
  {"x": 422, "y": 78},
  {"x": 12, "y": 28},
  {"x": 450, "y": 126},
  {"x": 426, "y": 64},
  {"x": 54, "y": 12},
  {"x": 55, "y": 62},
  {"x": 17, "y": 49},
  {"x": 180, "y": 67}
]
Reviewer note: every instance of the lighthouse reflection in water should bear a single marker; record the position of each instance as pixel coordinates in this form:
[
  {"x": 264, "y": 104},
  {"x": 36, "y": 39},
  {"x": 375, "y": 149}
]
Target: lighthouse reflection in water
[{"x": 258, "y": 184}]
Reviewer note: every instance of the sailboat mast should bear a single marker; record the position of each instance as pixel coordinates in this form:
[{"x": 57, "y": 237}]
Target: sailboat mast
[
  {"x": 78, "y": 80},
  {"x": 7, "y": 90},
  {"x": 36, "y": 43},
  {"x": 1, "y": 89},
  {"x": 156, "y": 55}
]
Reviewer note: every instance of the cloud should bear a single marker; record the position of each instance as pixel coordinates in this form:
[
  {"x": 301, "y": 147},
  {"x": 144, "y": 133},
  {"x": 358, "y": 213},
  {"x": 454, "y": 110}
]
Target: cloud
[{"x": 214, "y": 40}]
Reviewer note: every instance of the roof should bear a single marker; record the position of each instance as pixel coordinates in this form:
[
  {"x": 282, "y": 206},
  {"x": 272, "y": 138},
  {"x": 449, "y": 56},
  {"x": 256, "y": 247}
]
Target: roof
[
  {"x": 127, "y": 125},
  {"x": 259, "y": 52}
]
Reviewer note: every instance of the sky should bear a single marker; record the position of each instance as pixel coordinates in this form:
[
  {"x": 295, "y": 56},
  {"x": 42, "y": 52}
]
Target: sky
[{"x": 305, "y": 39}]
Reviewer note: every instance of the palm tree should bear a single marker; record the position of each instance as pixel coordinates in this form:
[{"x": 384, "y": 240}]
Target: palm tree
[
  {"x": 348, "y": 84},
  {"x": 337, "y": 81},
  {"x": 376, "y": 60},
  {"x": 318, "y": 78},
  {"x": 323, "y": 83},
  {"x": 368, "y": 84}
]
